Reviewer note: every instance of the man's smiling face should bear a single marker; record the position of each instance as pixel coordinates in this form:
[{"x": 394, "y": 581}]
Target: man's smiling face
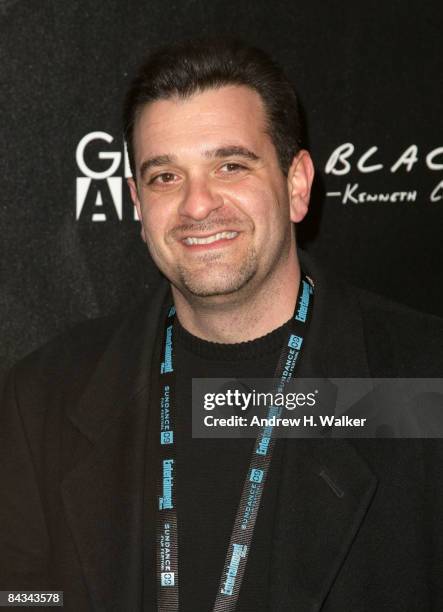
[{"x": 210, "y": 194}]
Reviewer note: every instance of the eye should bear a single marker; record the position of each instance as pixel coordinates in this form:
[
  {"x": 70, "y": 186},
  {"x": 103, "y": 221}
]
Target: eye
[
  {"x": 162, "y": 179},
  {"x": 231, "y": 167}
]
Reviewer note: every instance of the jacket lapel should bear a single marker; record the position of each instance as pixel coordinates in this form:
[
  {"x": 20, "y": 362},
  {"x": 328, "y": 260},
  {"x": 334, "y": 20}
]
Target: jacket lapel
[
  {"x": 326, "y": 487},
  {"x": 103, "y": 494},
  {"x": 325, "y": 491}
]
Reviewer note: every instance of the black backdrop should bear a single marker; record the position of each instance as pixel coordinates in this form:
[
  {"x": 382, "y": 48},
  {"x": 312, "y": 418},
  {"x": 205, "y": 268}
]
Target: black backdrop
[{"x": 369, "y": 75}]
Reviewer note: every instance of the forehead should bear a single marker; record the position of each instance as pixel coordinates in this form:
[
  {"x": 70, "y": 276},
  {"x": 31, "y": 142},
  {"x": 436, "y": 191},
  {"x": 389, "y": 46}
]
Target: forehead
[{"x": 230, "y": 114}]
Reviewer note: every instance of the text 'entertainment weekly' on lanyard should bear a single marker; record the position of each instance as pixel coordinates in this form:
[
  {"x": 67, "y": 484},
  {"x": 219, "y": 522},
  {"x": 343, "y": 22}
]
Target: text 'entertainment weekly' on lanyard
[{"x": 243, "y": 528}]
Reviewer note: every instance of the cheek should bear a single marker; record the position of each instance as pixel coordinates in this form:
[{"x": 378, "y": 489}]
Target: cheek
[
  {"x": 248, "y": 198},
  {"x": 265, "y": 206},
  {"x": 154, "y": 229},
  {"x": 159, "y": 215}
]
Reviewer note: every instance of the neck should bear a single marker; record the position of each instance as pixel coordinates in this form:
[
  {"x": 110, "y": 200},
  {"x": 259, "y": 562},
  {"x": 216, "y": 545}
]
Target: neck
[{"x": 239, "y": 318}]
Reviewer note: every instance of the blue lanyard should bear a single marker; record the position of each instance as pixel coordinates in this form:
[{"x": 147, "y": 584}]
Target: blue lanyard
[{"x": 255, "y": 480}]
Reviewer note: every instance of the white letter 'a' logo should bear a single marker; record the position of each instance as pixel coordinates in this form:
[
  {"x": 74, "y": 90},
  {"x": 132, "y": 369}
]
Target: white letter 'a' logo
[{"x": 114, "y": 184}]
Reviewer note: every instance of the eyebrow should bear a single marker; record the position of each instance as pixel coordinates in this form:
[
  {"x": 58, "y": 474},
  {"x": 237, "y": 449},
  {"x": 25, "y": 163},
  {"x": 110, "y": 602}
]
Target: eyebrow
[
  {"x": 231, "y": 151},
  {"x": 218, "y": 153},
  {"x": 153, "y": 162}
]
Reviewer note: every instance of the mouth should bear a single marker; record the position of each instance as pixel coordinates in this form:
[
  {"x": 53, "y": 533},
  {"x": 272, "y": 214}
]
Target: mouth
[{"x": 217, "y": 239}]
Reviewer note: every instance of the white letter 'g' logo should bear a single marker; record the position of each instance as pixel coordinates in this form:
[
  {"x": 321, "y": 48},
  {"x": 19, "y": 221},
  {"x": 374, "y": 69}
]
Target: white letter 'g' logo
[{"x": 79, "y": 156}]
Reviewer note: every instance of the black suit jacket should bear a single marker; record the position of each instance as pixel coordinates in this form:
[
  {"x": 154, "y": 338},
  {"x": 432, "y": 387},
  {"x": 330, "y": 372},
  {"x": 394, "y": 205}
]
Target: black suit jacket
[{"x": 358, "y": 523}]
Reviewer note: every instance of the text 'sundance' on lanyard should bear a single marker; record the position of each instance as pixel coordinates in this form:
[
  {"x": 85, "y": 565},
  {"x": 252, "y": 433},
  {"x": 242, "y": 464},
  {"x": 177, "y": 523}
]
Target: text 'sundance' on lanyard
[{"x": 255, "y": 480}]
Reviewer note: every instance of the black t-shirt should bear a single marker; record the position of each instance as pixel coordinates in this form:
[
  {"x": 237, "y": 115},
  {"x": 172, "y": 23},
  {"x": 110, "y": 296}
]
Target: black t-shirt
[{"x": 210, "y": 476}]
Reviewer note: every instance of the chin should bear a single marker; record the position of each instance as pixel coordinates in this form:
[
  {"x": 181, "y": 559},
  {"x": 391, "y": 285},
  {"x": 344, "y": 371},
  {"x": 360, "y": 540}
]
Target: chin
[
  {"x": 205, "y": 290},
  {"x": 203, "y": 286},
  {"x": 217, "y": 279}
]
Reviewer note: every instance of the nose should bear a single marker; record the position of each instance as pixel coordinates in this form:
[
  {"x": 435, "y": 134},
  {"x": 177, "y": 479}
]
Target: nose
[{"x": 199, "y": 200}]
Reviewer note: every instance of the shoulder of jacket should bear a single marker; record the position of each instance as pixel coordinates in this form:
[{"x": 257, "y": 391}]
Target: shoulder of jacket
[
  {"x": 377, "y": 306},
  {"x": 83, "y": 341},
  {"x": 70, "y": 358},
  {"x": 413, "y": 338}
]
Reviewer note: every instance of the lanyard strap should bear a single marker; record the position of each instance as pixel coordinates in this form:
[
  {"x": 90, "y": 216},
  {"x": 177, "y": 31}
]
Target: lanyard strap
[
  {"x": 255, "y": 480},
  {"x": 167, "y": 532}
]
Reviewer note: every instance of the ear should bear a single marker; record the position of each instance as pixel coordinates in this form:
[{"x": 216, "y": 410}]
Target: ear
[
  {"x": 136, "y": 201},
  {"x": 300, "y": 177}
]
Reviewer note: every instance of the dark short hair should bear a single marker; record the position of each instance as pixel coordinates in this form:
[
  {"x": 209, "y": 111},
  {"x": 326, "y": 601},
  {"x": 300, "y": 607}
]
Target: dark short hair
[{"x": 188, "y": 67}]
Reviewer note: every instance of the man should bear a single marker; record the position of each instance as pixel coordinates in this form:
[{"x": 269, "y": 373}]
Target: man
[{"x": 97, "y": 503}]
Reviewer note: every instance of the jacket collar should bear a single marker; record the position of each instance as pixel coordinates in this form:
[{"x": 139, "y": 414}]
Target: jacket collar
[
  {"x": 123, "y": 371},
  {"x": 336, "y": 344},
  {"x": 326, "y": 487}
]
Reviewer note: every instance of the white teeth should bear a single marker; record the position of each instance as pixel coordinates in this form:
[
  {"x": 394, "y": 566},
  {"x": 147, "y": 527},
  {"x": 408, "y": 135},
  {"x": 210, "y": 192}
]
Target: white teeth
[{"x": 208, "y": 239}]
